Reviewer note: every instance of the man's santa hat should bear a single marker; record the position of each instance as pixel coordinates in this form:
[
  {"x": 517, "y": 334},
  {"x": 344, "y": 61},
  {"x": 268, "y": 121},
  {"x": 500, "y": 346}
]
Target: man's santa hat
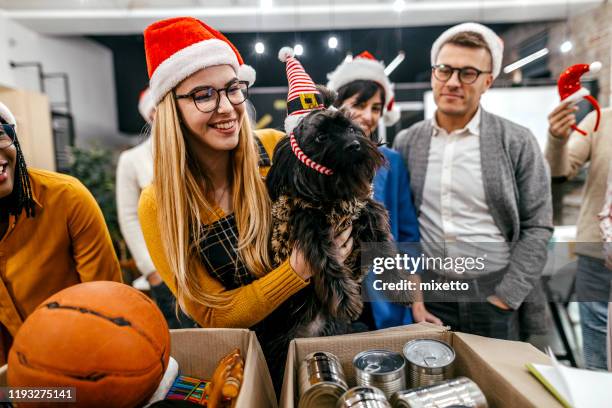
[
  {"x": 365, "y": 67},
  {"x": 146, "y": 107},
  {"x": 302, "y": 99},
  {"x": 7, "y": 115},
  {"x": 178, "y": 47},
  {"x": 494, "y": 43},
  {"x": 570, "y": 89}
]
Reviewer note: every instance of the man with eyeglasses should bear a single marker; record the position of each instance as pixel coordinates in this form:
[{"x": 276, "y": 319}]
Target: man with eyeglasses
[
  {"x": 481, "y": 190},
  {"x": 52, "y": 235}
]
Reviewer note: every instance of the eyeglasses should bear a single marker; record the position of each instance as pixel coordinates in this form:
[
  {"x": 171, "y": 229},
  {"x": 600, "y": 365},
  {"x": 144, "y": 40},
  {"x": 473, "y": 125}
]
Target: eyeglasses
[
  {"x": 7, "y": 135},
  {"x": 206, "y": 99},
  {"x": 467, "y": 75}
]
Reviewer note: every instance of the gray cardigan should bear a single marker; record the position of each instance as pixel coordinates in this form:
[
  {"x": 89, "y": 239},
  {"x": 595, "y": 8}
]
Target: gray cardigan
[{"x": 517, "y": 190}]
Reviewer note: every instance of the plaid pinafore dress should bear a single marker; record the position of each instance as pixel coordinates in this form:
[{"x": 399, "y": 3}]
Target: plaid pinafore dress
[{"x": 219, "y": 256}]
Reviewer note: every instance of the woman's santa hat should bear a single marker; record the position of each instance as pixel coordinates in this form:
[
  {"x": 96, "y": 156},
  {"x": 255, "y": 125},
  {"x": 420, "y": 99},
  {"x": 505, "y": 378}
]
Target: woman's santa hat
[
  {"x": 302, "y": 98},
  {"x": 7, "y": 115},
  {"x": 146, "y": 107},
  {"x": 365, "y": 67},
  {"x": 570, "y": 89},
  {"x": 178, "y": 47},
  {"x": 494, "y": 43}
]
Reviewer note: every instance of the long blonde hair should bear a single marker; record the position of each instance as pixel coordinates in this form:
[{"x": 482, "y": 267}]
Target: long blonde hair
[{"x": 182, "y": 204}]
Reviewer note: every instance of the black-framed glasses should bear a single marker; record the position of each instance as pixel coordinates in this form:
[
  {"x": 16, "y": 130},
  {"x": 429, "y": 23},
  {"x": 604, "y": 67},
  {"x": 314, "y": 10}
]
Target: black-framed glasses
[
  {"x": 467, "y": 75},
  {"x": 7, "y": 135},
  {"x": 207, "y": 99}
]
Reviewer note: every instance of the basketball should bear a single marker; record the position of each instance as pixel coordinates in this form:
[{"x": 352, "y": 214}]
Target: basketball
[{"x": 106, "y": 339}]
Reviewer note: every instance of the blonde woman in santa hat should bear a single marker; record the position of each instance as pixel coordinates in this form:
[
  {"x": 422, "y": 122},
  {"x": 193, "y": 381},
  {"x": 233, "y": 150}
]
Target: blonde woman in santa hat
[
  {"x": 206, "y": 217},
  {"x": 365, "y": 92}
]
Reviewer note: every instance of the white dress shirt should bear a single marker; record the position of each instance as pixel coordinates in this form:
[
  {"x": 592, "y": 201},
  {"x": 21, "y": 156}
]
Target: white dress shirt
[
  {"x": 454, "y": 207},
  {"x": 134, "y": 173}
]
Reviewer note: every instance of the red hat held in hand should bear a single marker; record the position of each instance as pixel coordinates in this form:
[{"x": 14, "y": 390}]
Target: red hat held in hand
[{"x": 570, "y": 89}]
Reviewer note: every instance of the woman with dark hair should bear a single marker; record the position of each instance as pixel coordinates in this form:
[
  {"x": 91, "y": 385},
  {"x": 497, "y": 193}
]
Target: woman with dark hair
[
  {"x": 365, "y": 93},
  {"x": 52, "y": 235}
]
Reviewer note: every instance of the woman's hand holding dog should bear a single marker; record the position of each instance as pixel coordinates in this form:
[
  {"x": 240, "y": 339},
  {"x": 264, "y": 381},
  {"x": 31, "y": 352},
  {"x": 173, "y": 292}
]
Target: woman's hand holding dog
[{"x": 343, "y": 245}]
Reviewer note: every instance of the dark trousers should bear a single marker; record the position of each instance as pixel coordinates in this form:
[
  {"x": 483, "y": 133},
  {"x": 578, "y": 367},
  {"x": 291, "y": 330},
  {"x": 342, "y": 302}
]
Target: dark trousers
[
  {"x": 167, "y": 304},
  {"x": 481, "y": 318},
  {"x": 471, "y": 312}
]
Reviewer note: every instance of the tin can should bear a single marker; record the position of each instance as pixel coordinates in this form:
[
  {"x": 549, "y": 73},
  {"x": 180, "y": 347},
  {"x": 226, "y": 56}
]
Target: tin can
[
  {"x": 429, "y": 362},
  {"x": 321, "y": 380},
  {"x": 363, "y": 397},
  {"x": 383, "y": 369},
  {"x": 459, "y": 392}
]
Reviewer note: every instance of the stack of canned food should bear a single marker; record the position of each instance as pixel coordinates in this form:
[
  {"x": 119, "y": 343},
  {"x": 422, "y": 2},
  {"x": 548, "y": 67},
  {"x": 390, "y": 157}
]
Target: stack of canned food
[
  {"x": 420, "y": 378},
  {"x": 321, "y": 380}
]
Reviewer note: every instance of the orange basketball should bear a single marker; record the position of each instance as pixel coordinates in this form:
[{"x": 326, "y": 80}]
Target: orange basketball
[{"x": 106, "y": 339}]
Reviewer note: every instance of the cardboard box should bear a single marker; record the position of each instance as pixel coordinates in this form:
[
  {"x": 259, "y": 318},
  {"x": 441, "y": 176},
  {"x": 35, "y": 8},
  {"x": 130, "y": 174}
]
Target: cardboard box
[
  {"x": 197, "y": 352},
  {"x": 497, "y": 366}
]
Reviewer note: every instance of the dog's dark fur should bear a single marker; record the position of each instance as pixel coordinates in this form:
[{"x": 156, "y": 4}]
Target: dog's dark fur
[{"x": 310, "y": 209}]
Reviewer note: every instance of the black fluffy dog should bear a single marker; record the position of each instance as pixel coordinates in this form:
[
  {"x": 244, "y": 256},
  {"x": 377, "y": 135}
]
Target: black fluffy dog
[{"x": 310, "y": 208}]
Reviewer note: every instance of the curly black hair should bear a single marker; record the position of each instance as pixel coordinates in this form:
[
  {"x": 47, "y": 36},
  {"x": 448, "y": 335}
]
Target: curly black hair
[{"x": 21, "y": 198}]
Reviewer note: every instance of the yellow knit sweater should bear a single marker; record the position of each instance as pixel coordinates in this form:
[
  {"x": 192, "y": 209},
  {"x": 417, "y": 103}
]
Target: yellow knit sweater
[{"x": 251, "y": 303}]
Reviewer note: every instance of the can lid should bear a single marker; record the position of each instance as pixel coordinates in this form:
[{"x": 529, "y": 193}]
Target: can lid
[
  {"x": 321, "y": 355},
  {"x": 429, "y": 353},
  {"x": 378, "y": 361},
  {"x": 321, "y": 395}
]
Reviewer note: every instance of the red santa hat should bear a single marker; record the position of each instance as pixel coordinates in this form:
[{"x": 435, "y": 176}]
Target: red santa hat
[
  {"x": 7, "y": 115},
  {"x": 570, "y": 89},
  {"x": 494, "y": 43},
  {"x": 365, "y": 67},
  {"x": 178, "y": 47},
  {"x": 146, "y": 107},
  {"x": 302, "y": 98}
]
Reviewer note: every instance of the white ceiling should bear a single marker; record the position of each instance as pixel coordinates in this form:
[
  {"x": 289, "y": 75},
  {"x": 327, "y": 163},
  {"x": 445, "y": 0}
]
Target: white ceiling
[{"x": 89, "y": 17}]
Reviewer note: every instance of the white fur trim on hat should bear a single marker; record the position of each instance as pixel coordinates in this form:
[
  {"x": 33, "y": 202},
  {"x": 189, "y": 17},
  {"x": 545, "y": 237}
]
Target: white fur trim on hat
[
  {"x": 577, "y": 96},
  {"x": 391, "y": 117},
  {"x": 146, "y": 106},
  {"x": 360, "y": 69},
  {"x": 247, "y": 73},
  {"x": 291, "y": 122},
  {"x": 495, "y": 43},
  {"x": 7, "y": 115},
  {"x": 189, "y": 60},
  {"x": 285, "y": 53}
]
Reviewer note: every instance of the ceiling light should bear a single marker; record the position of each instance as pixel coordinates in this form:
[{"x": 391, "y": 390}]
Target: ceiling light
[
  {"x": 332, "y": 42},
  {"x": 566, "y": 46},
  {"x": 298, "y": 49},
  {"x": 524, "y": 61},
  {"x": 396, "y": 61},
  {"x": 260, "y": 47},
  {"x": 399, "y": 5}
]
